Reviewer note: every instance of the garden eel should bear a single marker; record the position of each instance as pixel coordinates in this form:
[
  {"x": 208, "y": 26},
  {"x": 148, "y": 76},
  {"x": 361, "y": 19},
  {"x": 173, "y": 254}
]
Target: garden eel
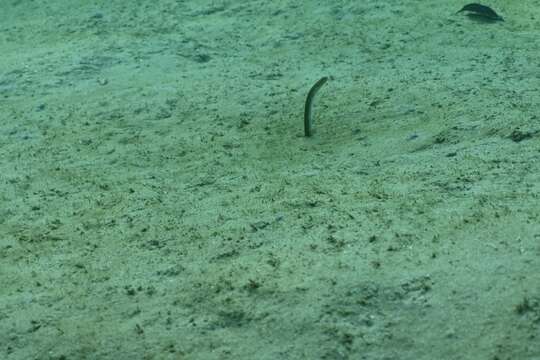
[{"x": 308, "y": 113}]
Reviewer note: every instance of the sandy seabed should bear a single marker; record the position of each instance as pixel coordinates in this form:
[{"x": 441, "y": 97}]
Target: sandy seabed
[{"x": 158, "y": 199}]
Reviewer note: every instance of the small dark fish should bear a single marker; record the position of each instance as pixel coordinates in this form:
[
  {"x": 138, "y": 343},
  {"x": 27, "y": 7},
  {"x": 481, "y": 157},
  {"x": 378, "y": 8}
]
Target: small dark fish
[{"x": 481, "y": 11}]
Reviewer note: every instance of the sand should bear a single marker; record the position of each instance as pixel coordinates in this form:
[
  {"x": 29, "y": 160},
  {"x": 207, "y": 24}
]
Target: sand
[{"x": 158, "y": 199}]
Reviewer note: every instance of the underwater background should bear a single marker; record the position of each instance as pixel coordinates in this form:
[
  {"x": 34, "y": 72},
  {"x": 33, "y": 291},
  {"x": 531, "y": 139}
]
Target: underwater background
[{"x": 159, "y": 200}]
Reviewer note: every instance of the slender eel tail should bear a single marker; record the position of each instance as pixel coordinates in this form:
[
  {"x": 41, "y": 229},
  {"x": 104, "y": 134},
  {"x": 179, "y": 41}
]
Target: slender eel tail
[{"x": 308, "y": 108}]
